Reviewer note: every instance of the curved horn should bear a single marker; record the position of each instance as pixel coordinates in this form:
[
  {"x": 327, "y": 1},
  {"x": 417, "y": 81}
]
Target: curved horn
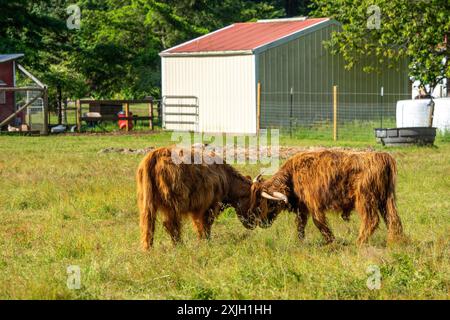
[
  {"x": 268, "y": 196},
  {"x": 257, "y": 178},
  {"x": 281, "y": 196}
]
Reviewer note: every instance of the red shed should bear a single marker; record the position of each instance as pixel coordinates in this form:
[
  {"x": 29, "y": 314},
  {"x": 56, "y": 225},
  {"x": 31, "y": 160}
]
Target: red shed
[{"x": 7, "y": 79}]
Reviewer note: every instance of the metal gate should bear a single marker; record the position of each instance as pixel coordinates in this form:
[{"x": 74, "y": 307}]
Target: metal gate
[{"x": 181, "y": 113}]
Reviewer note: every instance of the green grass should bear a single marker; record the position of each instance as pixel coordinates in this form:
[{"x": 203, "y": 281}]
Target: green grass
[{"x": 62, "y": 203}]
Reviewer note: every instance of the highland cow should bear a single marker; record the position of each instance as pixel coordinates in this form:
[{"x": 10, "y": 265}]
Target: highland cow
[
  {"x": 311, "y": 183},
  {"x": 183, "y": 188}
]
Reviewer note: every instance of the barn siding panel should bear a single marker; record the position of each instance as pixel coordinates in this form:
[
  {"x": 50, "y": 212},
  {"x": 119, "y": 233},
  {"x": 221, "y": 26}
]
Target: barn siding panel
[
  {"x": 224, "y": 85},
  {"x": 7, "y": 76},
  {"x": 312, "y": 71}
]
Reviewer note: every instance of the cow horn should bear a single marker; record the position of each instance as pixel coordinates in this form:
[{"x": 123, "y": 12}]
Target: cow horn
[
  {"x": 268, "y": 196},
  {"x": 257, "y": 178},
  {"x": 281, "y": 196}
]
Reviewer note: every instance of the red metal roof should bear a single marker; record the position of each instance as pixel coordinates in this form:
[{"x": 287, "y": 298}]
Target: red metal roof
[{"x": 245, "y": 36}]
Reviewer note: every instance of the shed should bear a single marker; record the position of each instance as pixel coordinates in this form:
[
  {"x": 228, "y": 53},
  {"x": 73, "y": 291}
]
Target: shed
[
  {"x": 7, "y": 79},
  {"x": 220, "y": 72}
]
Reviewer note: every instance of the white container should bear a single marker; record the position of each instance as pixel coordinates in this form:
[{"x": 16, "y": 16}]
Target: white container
[
  {"x": 415, "y": 113},
  {"x": 442, "y": 115},
  {"x": 412, "y": 113}
]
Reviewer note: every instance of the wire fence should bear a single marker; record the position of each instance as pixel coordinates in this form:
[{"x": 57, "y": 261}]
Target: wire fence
[
  {"x": 348, "y": 115},
  {"x": 33, "y": 117}
]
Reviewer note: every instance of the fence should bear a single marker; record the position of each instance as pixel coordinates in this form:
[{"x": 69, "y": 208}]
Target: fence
[
  {"x": 34, "y": 115},
  {"x": 75, "y": 118},
  {"x": 329, "y": 115}
]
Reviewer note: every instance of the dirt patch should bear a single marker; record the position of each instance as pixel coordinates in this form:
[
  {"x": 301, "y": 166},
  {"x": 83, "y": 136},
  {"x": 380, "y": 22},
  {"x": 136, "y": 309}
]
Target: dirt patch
[
  {"x": 114, "y": 133},
  {"x": 127, "y": 150},
  {"x": 287, "y": 152},
  {"x": 244, "y": 153}
]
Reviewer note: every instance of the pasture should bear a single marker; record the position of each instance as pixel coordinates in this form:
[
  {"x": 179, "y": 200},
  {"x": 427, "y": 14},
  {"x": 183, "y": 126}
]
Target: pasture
[{"x": 63, "y": 203}]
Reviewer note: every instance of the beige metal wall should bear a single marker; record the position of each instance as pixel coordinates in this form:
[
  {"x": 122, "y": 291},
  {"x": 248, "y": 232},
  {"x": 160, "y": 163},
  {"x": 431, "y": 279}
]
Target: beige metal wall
[{"x": 225, "y": 87}]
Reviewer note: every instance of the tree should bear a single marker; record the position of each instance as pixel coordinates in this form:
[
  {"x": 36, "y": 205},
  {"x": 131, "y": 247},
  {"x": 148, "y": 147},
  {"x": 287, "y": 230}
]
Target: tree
[
  {"x": 391, "y": 30},
  {"x": 117, "y": 47},
  {"x": 296, "y": 7},
  {"x": 115, "y": 52}
]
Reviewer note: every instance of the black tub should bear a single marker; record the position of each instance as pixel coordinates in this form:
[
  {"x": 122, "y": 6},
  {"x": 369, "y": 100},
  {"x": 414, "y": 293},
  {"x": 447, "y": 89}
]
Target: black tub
[{"x": 406, "y": 136}]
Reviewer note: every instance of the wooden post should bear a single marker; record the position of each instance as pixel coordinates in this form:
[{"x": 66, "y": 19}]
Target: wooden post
[
  {"x": 64, "y": 113},
  {"x": 150, "y": 112},
  {"x": 46, "y": 111},
  {"x": 258, "y": 108},
  {"x": 335, "y": 132},
  {"x": 127, "y": 114},
  {"x": 78, "y": 106}
]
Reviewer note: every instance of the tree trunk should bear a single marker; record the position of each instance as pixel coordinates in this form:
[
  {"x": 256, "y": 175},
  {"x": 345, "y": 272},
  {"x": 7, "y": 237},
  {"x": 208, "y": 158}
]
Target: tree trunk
[
  {"x": 59, "y": 90},
  {"x": 291, "y": 7},
  {"x": 431, "y": 113}
]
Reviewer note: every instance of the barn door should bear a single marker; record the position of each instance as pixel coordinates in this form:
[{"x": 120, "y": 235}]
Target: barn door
[{"x": 181, "y": 113}]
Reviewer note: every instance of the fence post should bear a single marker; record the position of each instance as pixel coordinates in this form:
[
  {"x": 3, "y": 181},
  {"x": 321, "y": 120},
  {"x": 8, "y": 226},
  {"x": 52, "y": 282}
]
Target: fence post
[
  {"x": 150, "y": 111},
  {"x": 382, "y": 106},
  {"x": 78, "y": 106},
  {"x": 127, "y": 114},
  {"x": 335, "y": 129},
  {"x": 64, "y": 113},
  {"x": 258, "y": 109},
  {"x": 46, "y": 111}
]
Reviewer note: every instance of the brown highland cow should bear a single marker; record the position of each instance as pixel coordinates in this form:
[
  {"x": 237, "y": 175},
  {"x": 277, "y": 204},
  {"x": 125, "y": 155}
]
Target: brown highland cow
[
  {"x": 311, "y": 183},
  {"x": 182, "y": 188}
]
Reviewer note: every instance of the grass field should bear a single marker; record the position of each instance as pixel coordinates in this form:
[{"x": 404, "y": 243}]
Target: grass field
[{"x": 62, "y": 203}]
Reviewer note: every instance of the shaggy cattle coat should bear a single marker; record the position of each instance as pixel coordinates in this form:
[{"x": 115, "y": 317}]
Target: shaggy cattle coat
[
  {"x": 169, "y": 181},
  {"x": 319, "y": 181}
]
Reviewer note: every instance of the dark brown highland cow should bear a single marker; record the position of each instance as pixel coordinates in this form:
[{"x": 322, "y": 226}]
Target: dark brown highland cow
[
  {"x": 182, "y": 189},
  {"x": 311, "y": 183}
]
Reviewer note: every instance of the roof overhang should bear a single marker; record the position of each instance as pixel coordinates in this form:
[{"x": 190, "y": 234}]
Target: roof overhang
[
  {"x": 9, "y": 57},
  {"x": 207, "y": 53},
  {"x": 295, "y": 35},
  {"x": 258, "y": 50}
]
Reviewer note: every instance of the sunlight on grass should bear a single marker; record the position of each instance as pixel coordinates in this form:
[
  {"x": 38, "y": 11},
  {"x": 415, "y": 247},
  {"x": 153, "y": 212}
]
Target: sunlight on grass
[{"x": 63, "y": 203}]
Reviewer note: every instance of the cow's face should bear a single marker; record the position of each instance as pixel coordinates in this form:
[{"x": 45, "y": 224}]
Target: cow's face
[
  {"x": 265, "y": 206},
  {"x": 247, "y": 219}
]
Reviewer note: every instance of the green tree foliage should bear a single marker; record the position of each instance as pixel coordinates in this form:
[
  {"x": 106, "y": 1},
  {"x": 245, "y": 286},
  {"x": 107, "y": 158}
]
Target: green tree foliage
[
  {"x": 115, "y": 52},
  {"x": 416, "y": 30}
]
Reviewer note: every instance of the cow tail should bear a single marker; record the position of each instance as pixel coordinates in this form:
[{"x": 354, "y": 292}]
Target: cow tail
[
  {"x": 146, "y": 204},
  {"x": 393, "y": 221}
]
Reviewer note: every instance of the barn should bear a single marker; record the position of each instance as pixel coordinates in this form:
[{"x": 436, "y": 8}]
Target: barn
[
  {"x": 7, "y": 79},
  {"x": 265, "y": 74}
]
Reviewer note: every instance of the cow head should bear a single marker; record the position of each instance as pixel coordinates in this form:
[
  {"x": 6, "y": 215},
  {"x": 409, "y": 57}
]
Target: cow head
[
  {"x": 265, "y": 204},
  {"x": 241, "y": 202}
]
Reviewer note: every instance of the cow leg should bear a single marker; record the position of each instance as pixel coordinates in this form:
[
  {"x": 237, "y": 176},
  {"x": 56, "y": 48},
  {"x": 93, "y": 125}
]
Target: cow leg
[
  {"x": 203, "y": 222},
  {"x": 201, "y": 225},
  {"x": 369, "y": 220},
  {"x": 147, "y": 226},
  {"x": 390, "y": 216},
  {"x": 302, "y": 220},
  {"x": 172, "y": 224},
  {"x": 320, "y": 221}
]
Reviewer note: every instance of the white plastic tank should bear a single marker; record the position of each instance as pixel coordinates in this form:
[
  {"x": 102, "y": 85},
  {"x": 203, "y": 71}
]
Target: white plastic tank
[
  {"x": 415, "y": 113},
  {"x": 442, "y": 115},
  {"x": 412, "y": 113}
]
